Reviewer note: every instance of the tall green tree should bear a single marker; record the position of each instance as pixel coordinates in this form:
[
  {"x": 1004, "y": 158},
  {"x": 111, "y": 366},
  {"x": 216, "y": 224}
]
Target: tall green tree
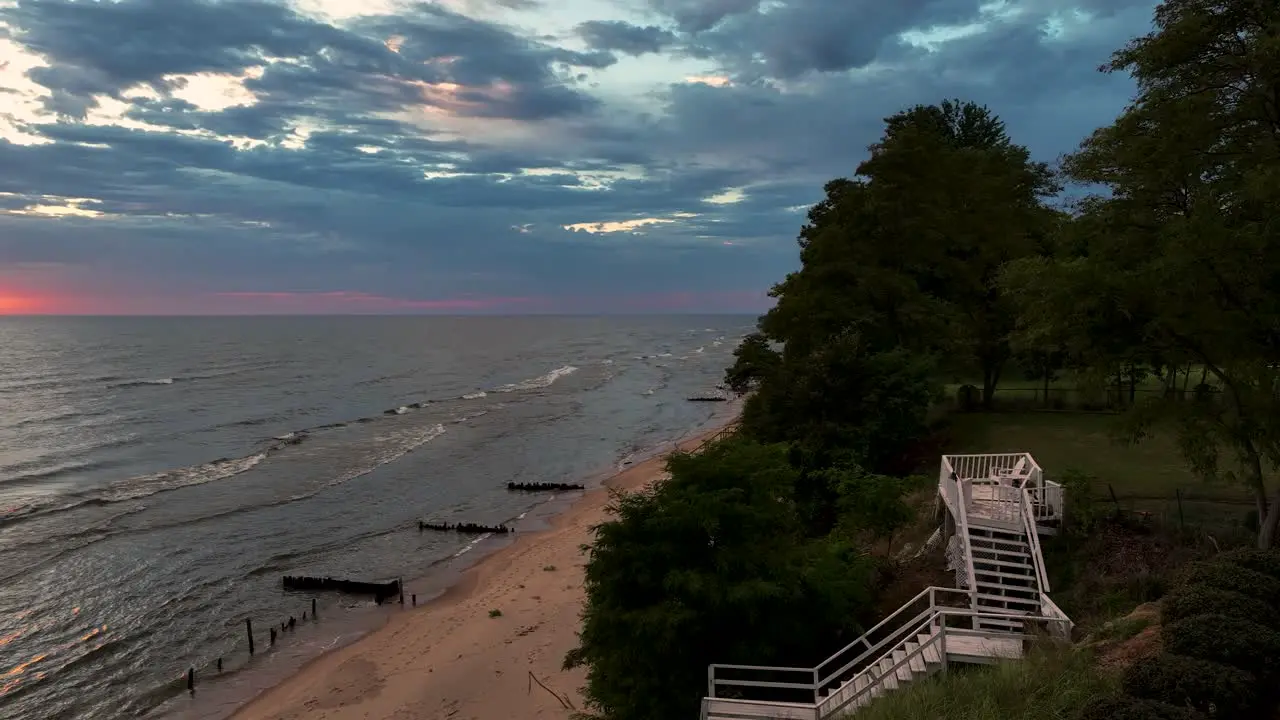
[
  {"x": 1182, "y": 261},
  {"x": 905, "y": 255}
]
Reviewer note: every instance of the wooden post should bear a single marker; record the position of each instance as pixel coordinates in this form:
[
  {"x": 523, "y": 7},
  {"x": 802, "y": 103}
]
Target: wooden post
[
  {"x": 191, "y": 679},
  {"x": 1114, "y": 499},
  {"x": 1182, "y": 520},
  {"x": 248, "y": 628},
  {"x": 273, "y": 636},
  {"x": 219, "y": 664},
  {"x": 400, "y": 582},
  {"x": 313, "y": 609},
  {"x": 414, "y": 597}
]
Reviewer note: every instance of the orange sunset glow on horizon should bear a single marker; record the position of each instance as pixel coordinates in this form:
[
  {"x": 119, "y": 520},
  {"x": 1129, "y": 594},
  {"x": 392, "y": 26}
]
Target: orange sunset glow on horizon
[{"x": 15, "y": 304}]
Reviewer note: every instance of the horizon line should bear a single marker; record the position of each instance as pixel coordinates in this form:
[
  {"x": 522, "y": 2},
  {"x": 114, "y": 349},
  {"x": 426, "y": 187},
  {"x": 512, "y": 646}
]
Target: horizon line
[{"x": 534, "y": 313}]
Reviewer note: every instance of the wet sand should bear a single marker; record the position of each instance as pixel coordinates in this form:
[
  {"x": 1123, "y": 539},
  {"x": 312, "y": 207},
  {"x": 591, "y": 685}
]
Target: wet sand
[{"x": 490, "y": 648}]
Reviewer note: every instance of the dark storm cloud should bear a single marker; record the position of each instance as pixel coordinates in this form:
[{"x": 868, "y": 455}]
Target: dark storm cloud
[
  {"x": 324, "y": 65},
  {"x": 363, "y": 201},
  {"x": 624, "y": 37}
]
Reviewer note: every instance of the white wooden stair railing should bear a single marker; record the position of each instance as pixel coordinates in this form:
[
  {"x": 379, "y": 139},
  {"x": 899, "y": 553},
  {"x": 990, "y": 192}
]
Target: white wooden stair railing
[{"x": 925, "y": 644}]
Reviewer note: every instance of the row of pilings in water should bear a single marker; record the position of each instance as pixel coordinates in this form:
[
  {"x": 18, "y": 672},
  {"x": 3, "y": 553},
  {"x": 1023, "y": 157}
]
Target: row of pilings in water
[
  {"x": 469, "y": 528},
  {"x": 383, "y": 591}
]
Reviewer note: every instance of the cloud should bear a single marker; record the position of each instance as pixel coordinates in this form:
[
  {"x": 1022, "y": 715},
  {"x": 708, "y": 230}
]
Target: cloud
[
  {"x": 483, "y": 156},
  {"x": 623, "y": 37}
]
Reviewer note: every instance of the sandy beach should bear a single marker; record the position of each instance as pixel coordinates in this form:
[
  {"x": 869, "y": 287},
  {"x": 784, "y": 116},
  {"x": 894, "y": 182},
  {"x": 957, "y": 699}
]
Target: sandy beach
[{"x": 456, "y": 657}]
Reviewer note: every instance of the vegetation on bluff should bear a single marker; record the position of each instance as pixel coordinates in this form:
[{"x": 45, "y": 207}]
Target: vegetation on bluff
[{"x": 946, "y": 258}]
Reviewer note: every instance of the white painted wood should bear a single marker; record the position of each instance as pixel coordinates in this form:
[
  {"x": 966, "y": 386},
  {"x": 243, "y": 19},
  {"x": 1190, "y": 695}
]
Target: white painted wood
[{"x": 727, "y": 708}]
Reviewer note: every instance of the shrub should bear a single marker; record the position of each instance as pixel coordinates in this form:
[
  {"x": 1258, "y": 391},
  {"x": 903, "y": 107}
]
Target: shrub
[
  {"x": 1210, "y": 687},
  {"x": 1227, "y": 576},
  {"x": 1127, "y": 707},
  {"x": 1266, "y": 562},
  {"x": 1191, "y": 600},
  {"x": 1221, "y": 638}
]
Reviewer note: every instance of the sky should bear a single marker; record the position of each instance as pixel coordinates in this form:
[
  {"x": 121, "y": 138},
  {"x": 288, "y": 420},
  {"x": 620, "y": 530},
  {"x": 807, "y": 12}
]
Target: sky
[{"x": 482, "y": 156}]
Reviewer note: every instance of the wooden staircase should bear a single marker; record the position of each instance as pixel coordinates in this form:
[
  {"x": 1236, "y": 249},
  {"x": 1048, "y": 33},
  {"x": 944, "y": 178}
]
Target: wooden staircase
[{"x": 998, "y": 506}]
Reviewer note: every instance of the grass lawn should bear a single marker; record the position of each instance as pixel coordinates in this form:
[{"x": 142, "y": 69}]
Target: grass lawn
[
  {"x": 1060, "y": 441},
  {"x": 1051, "y": 684}
]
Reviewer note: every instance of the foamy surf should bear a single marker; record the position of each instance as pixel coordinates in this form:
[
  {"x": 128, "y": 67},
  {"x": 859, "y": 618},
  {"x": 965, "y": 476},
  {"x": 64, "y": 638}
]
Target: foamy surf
[
  {"x": 475, "y": 395},
  {"x": 540, "y": 382}
]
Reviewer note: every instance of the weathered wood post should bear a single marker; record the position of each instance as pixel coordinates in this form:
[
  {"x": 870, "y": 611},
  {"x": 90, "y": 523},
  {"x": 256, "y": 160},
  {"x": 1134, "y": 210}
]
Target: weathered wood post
[
  {"x": 219, "y": 664},
  {"x": 248, "y": 628},
  {"x": 273, "y": 636},
  {"x": 313, "y": 610},
  {"x": 400, "y": 582},
  {"x": 415, "y": 599},
  {"x": 191, "y": 679}
]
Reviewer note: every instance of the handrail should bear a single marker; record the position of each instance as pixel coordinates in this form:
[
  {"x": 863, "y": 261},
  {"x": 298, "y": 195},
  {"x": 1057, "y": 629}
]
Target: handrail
[
  {"x": 1033, "y": 540},
  {"x": 937, "y": 612},
  {"x": 962, "y": 529},
  {"x": 891, "y": 671}
]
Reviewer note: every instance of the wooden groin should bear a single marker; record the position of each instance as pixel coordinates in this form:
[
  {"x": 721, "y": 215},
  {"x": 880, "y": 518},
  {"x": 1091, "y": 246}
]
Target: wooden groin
[
  {"x": 380, "y": 591},
  {"x": 471, "y": 528},
  {"x": 543, "y": 486}
]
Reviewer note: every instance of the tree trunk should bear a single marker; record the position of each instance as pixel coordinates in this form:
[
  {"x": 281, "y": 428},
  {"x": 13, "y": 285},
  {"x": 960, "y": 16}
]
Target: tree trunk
[
  {"x": 1268, "y": 524},
  {"x": 990, "y": 378},
  {"x": 1133, "y": 386},
  {"x": 1186, "y": 383},
  {"x": 1048, "y": 375}
]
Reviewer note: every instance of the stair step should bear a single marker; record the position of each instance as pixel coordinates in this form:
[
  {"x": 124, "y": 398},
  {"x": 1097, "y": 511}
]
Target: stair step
[
  {"x": 988, "y": 597},
  {"x": 903, "y": 672},
  {"x": 1030, "y": 576},
  {"x": 991, "y": 588},
  {"x": 999, "y": 562},
  {"x": 916, "y": 662},
  {"x": 999, "y": 551},
  {"x": 1017, "y": 544},
  {"x": 931, "y": 655}
]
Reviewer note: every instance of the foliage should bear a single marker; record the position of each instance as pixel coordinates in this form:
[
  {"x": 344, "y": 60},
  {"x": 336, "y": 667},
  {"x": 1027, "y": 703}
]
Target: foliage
[
  {"x": 1228, "y": 640},
  {"x": 904, "y": 256},
  {"x": 1225, "y": 576},
  {"x": 754, "y": 360},
  {"x": 1049, "y": 683},
  {"x": 842, "y": 399},
  {"x": 1201, "y": 599},
  {"x": 1266, "y": 562},
  {"x": 1177, "y": 261},
  {"x": 710, "y": 566},
  {"x": 1127, "y": 707},
  {"x": 1212, "y": 688},
  {"x": 1082, "y": 511}
]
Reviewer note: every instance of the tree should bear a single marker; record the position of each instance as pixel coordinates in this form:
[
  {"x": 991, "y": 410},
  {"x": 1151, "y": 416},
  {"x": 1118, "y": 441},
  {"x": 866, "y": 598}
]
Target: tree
[
  {"x": 1182, "y": 258},
  {"x": 711, "y": 566},
  {"x": 754, "y": 360},
  {"x": 905, "y": 255},
  {"x": 842, "y": 398}
]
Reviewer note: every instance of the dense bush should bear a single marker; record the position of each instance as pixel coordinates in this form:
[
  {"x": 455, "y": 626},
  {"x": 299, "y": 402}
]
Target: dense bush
[
  {"x": 1226, "y": 576},
  {"x": 1210, "y": 687},
  {"x": 1127, "y": 707},
  {"x": 1233, "y": 641},
  {"x": 1266, "y": 562},
  {"x": 1191, "y": 600},
  {"x": 711, "y": 566}
]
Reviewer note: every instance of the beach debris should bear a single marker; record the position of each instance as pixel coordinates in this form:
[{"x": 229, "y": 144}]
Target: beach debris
[
  {"x": 543, "y": 486},
  {"x": 712, "y": 396},
  {"x": 472, "y": 528},
  {"x": 379, "y": 591}
]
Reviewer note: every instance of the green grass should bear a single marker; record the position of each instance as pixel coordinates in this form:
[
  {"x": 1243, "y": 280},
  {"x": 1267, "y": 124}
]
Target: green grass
[
  {"x": 1051, "y": 684},
  {"x": 1061, "y": 441}
]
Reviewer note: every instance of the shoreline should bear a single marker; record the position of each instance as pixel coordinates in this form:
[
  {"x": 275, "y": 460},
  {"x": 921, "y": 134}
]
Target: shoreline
[{"x": 450, "y": 657}]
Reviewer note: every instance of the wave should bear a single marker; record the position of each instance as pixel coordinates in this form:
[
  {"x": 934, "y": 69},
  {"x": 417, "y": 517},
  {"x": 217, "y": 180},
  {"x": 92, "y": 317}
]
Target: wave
[
  {"x": 143, "y": 383},
  {"x": 141, "y": 486},
  {"x": 540, "y": 382},
  {"x": 475, "y": 395}
]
